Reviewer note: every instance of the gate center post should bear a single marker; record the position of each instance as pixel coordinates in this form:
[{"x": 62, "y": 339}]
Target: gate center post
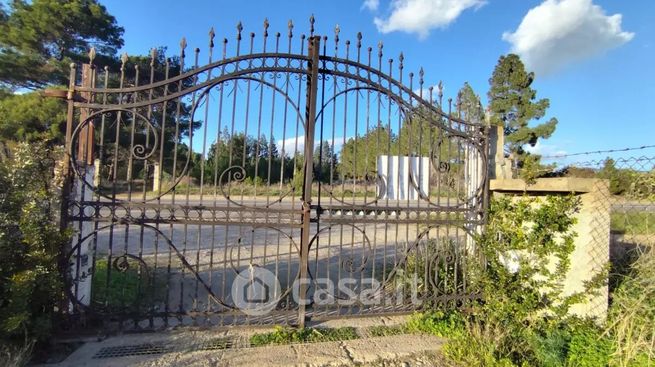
[{"x": 310, "y": 122}]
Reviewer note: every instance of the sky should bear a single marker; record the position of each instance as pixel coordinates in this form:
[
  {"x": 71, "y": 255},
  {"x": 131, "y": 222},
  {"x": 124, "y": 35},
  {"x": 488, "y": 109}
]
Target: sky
[{"x": 594, "y": 59}]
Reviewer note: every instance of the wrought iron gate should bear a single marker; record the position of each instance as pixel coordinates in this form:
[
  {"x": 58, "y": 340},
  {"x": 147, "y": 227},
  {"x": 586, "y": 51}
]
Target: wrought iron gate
[{"x": 356, "y": 186}]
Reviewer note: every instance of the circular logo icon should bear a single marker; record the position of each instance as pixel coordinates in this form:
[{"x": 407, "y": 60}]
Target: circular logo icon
[{"x": 256, "y": 291}]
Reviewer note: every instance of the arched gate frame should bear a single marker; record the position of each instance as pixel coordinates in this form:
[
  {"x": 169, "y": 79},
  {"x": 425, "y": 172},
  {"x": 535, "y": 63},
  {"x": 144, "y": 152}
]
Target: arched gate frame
[{"x": 367, "y": 203}]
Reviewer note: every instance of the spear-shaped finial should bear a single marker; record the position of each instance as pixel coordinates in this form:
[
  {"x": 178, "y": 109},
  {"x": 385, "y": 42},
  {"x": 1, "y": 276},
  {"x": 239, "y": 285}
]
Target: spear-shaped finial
[
  {"x": 311, "y": 25},
  {"x": 290, "y": 26},
  {"x": 401, "y": 59},
  {"x": 359, "y": 39},
  {"x": 440, "y": 88},
  {"x": 421, "y": 73},
  {"x": 380, "y": 47},
  {"x": 458, "y": 102},
  {"x": 123, "y": 60},
  {"x": 182, "y": 47},
  {"x": 212, "y": 34},
  {"x": 337, "y": 30},
  {"x": 239, "y": 29},
  {"x": 92, "y": 55},
  {"x": 266, "y": 24}
]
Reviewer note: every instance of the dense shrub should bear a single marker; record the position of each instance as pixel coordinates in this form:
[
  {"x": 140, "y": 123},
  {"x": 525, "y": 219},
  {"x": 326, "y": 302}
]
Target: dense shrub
[
  {"x": 523, "y": 318},
  {"x": 30, "y": 241}
]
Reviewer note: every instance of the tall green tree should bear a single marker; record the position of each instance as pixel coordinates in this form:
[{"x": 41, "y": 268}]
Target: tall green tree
[
  {"x": 469, "y": 105},
  {"x": 30, "y": 116},
  {"x": 358, "y": 158},
  {"x": 325, "y": 162},
  {"x": 39, "y": 38},
  {"x": 513, "y": 105}
]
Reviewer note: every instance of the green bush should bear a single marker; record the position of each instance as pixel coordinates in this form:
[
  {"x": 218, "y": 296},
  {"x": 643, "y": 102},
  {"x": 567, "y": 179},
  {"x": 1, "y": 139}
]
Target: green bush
[
  {"x": 30, "y": 241},
  {"x": 283, "y": 335},
  {"x": 522, "y": 319},
  {"x": 437, "y": 323},
  {"x": 589, "y": 347}
]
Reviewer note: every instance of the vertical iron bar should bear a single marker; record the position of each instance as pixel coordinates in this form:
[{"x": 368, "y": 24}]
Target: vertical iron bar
[{"x": 310, "y": 117}]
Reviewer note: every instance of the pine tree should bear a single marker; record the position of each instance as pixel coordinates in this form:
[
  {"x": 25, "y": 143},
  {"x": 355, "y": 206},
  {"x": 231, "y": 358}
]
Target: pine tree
[
  {"x": 513, "y": 105},
  {"x": 39, "y": 38},
  {"x": 470, "y": 107}
]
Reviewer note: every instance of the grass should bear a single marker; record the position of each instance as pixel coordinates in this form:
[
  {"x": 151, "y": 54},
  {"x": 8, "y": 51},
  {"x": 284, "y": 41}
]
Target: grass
[
  {"x": 633, "y": 222},
  {"x": 16, "y": 355},
  {"x": 632, "y": 313},
  {"x": 283, "y": 335},
  {"x": 128, "y": 290}
]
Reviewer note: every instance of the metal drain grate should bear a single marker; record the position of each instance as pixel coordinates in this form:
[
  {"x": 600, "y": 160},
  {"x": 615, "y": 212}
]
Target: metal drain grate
[
  {"x": 132, "y": 350},
  {"x": 218, "y": 343}
]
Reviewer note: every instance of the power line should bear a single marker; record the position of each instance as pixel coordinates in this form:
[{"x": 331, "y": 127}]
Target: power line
[{"x": 598, "y": 152}]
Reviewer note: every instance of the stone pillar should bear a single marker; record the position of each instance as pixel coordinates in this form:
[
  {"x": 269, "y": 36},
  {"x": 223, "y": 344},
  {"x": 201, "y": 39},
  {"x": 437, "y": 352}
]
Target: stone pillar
[
  {"x": 499, "y": 166},
  {"x": 81, "y": 260},
  {"x": 592, "y": 242}
]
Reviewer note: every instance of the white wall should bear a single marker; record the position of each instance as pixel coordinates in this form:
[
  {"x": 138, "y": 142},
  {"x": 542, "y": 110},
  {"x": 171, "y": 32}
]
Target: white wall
[{"x": 396, "y": 172}]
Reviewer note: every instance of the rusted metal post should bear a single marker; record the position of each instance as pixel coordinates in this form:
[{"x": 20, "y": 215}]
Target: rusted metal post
[
  {"x": 86, "y": 135},
  {"x": 310, "y": 117}
]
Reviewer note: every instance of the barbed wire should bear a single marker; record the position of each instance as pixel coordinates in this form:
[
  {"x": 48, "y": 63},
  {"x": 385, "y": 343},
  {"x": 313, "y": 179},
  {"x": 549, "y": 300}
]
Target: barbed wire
[{"x": 598, "y": 152}]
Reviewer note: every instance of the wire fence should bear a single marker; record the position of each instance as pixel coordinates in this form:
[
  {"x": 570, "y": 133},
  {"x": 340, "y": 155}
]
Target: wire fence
[{"x": 630, "y": 198}]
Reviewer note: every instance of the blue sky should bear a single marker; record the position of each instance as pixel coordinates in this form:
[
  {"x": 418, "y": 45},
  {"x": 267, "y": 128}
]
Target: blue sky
[{"x": 594, "y": 59}]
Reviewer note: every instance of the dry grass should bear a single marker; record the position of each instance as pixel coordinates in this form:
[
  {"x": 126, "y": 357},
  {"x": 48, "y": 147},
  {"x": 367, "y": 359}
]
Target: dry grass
[
  {"x": 633, "y": 315},
  {"x": 16, "y": 356}
]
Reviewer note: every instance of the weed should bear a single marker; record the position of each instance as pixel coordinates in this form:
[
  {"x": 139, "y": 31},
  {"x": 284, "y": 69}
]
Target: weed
[{"x": 283, "y": 335}]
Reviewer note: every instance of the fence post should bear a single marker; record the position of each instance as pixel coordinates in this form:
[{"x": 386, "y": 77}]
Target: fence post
[
  {"x": 310, "y": 117},
  {"x": 81, "y": 269}
]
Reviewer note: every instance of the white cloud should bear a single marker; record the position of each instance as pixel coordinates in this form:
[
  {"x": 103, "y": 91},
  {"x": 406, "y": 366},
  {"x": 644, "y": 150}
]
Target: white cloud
[
  {"x": 426, "y": 92},
  {"x": 371, "y": 5},
  {"x": 421, "y": 16},
  {"x": 559, "y": 32},
  {"x": 545, "y": 149}
]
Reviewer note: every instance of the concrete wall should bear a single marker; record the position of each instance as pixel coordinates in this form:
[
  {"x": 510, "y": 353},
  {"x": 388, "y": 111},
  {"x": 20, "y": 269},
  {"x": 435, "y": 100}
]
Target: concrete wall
[{"x": 593, "y": 231}]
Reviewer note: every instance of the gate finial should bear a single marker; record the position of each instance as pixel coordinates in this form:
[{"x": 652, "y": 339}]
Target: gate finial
[
  {"x": 211, "y": 37},
  {"x": 311, "y": 25},
  {"x": 239, "y": 29},
  {"x": 92, "y": 55},
  {"x": 182, "y": 47},
  {"x": 123, "y": 60},
  {"x": 290, "y": 26},
  {"x": 440, "y": 94},
  {"x": 266, "y": 24}
]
